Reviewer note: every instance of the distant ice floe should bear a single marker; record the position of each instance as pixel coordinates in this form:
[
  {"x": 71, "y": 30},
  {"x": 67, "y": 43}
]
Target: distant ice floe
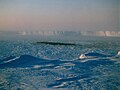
[{"x": 72, "y": 33}]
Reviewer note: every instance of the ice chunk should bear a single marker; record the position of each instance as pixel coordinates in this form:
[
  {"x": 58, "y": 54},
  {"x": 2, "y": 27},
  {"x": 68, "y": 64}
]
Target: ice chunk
[
  {"x": 82, "y": 56},
  {"x": 118, "y": 53}
]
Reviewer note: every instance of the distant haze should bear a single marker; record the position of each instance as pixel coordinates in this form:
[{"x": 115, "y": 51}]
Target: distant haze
[{"x": 60, "y": 15}]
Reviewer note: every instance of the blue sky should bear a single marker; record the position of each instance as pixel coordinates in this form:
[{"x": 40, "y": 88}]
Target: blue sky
[{"x": 70, "y": 15}]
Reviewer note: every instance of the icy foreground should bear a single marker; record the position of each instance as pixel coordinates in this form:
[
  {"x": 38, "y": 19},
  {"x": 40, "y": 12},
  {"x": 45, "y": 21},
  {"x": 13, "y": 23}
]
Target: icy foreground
[{"x": 46, "y": 66}]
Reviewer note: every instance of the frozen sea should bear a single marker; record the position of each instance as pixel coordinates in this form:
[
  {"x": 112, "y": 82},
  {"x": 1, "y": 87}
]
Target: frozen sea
[{"x": 27, "y": 65}]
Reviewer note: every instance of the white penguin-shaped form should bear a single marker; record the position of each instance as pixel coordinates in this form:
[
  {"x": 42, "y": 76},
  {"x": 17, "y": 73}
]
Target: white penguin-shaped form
[
  {"x": 118, "y": 53},
  {"x": 82, "y": 56}
]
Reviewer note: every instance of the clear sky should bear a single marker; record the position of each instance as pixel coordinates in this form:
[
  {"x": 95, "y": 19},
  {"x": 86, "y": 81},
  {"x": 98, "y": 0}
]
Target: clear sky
[{"x": 59, "y": 15}]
